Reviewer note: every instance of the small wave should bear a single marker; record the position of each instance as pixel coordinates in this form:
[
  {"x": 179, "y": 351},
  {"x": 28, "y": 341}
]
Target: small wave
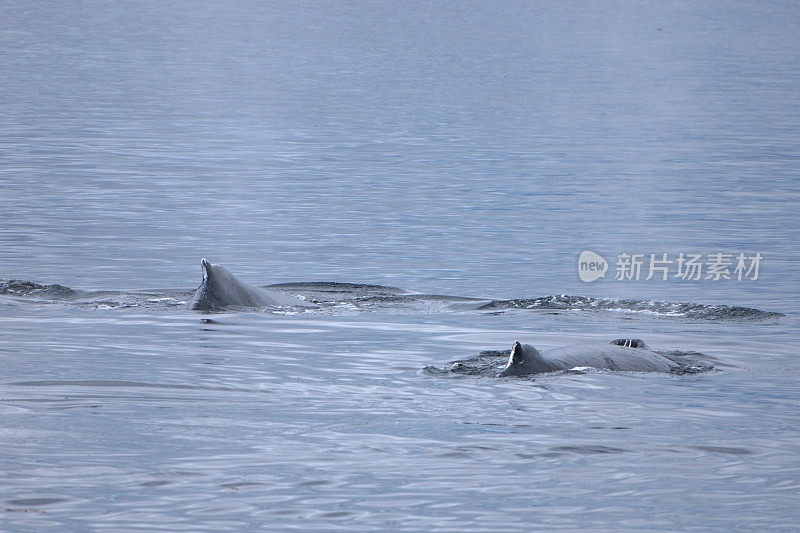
[
  {"x": 337, "y": 287},
  {"x": 488, "y": 363},
  {"x": 93, "y": 299},
  {"x": 18, "y": 287},
  {"x": 656, "y": 307}
]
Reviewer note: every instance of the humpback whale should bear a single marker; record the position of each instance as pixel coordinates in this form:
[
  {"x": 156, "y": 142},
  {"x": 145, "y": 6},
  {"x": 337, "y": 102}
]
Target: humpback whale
[
  {"x": 221, "y": 289},
  {"x": 630, "y": 355}
]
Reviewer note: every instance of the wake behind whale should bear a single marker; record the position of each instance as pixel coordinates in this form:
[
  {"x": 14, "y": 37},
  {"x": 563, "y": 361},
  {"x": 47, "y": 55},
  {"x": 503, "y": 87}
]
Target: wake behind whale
[{"x": 690, "y": 310}]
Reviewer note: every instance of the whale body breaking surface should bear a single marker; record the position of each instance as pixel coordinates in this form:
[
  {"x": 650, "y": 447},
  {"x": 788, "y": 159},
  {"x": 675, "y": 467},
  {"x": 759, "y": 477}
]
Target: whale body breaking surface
[
  {"x": 220, "y": 288},
  {"x": 620, "y": 355},
  {"x": 625, "y": 355}
]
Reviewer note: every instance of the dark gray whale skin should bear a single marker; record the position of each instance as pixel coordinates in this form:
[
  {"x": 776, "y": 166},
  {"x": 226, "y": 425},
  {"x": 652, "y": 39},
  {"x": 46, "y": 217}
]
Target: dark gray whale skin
[
  {"x": 628, "y": 355},
  {"x": 221, "y": 289}
]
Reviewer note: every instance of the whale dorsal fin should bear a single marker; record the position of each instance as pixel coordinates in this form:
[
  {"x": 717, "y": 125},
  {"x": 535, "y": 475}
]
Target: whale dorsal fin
[
  {"x": 517, "y": 355},
  {"x": 517, "y": 362},
  {"x": 525, "y": 359},
  {"x": 525, "y": 354},
  {"x": 205, "y": 264}
]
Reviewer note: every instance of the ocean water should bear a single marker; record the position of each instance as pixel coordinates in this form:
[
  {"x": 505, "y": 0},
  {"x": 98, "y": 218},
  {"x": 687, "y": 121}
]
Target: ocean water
[{"x": 427, "y": 174}]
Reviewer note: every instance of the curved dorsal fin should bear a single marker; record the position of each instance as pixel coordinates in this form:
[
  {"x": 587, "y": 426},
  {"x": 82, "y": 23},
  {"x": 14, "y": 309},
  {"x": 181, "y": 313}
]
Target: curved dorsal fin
[
  {"x": 517, "y": 353},
  {"x": 205, "y": 265}
]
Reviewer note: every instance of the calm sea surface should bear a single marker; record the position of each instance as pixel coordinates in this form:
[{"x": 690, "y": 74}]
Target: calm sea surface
[{"x": 453, "y": 160}]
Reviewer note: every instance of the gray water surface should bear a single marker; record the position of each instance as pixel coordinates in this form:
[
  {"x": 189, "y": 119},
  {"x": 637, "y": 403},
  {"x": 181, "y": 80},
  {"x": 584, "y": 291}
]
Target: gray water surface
[{"x": 456, "y": 157}]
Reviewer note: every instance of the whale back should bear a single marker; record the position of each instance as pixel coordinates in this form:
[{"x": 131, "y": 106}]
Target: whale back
[
  {"x": 625, "y": 358},
  {"x": 625, "y": 355},
  {"x": 220, "y": 289}
]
